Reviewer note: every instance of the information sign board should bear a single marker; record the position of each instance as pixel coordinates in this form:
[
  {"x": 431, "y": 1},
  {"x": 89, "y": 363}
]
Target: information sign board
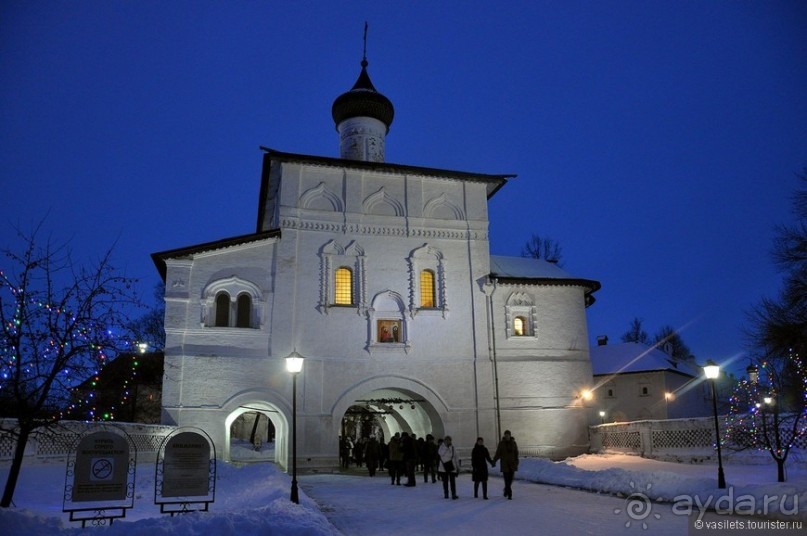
[{"x": 101, "y": 470}]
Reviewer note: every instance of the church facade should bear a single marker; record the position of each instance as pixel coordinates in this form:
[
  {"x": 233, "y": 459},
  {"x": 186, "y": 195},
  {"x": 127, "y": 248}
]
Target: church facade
[{"x": 380, "y": 276}]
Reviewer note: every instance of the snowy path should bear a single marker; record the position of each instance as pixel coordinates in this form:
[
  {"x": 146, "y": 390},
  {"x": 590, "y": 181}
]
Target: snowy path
[{"x": 359, "y": 505}]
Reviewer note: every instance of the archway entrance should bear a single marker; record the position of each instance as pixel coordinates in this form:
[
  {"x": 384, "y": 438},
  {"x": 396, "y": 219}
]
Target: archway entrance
[
  {"x": 252, "y": 433},
  {"x": 381, "y": 413}
]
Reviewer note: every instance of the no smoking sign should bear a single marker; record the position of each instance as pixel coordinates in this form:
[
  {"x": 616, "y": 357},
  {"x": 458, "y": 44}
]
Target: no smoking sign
[{"x": 102, "y": 469}]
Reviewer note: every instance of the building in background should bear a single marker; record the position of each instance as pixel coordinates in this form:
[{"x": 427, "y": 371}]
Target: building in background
[
  {"x": 127, "y": 389},
  {"x": 639, "y": 382}
]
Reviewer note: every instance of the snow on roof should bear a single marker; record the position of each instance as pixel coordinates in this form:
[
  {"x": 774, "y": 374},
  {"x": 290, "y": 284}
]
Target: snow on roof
[
  {"x": 526, "y": 267},
  {"x": 629, "y": 357}
]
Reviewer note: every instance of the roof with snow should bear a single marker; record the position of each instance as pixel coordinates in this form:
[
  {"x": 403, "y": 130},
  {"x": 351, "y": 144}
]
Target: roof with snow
[
  {"x": 631, "y": 357},
  {"x": 526, "y": 270},
  {"x": 526, "y": 267}
]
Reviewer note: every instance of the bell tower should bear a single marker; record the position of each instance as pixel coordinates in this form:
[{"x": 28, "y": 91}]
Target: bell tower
[{"x": 363, "y": 117}]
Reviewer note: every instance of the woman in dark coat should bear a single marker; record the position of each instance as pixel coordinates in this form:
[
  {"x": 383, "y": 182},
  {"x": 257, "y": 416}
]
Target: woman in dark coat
[{"x": 480, "y": 458}]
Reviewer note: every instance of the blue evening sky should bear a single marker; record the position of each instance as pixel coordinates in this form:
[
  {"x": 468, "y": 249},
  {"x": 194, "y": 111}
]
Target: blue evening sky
[{"x": 657, "y": 142}]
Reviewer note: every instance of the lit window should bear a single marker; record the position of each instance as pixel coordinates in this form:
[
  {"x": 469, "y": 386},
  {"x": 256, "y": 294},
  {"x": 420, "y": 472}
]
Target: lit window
[
  {"x": 243, "y": 311},
  {"x": 222, "y": 309},
  {"x": 343, "y": 287},
  {"x": 519, "y": 326},
  {"x": 427, "y": 288}
]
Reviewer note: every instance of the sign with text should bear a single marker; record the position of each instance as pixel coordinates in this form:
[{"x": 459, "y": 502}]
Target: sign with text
[
  {"x": 186, "y": 466},
  {"x": 101, "y": 470}
]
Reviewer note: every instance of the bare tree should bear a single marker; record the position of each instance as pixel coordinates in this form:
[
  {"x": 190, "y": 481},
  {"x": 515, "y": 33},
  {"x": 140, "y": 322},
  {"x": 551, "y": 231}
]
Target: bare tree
[
  {"x": 669, "y": 336},
  {"x": 635, "y": 333},
  {"x": 59, "y": 322},
  {"x": 538, "y": 247},
  {"x": 769, "y": 410}
]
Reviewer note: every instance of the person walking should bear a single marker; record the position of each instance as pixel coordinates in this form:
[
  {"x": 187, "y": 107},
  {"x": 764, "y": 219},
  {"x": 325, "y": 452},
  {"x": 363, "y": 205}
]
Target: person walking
[
  {"x": 344, "y": 451},
  {"x": 429, "y": 459},
  {"x": 395, "y": 459},
  {"x": 371, "y": 455},
  {"x": 438, "y": 465},
  {"x": 449, "y": 465},
  {"x": 480, "y": 458},
  {"x": 409, "y": 458},
  {"x": 507, "y": 452}
]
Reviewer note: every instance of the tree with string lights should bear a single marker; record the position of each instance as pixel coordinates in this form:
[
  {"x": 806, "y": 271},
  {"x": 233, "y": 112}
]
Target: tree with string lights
[
  {"x": 769, "y": 410},
  {"x": 59, "y": 323}
]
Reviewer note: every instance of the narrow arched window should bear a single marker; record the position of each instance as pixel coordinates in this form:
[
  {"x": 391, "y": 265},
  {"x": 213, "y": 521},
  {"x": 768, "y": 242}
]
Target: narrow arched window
[
  {"x": 343, "y": 286},
  {"x": 243, "y": 311},
  {"x": 519, "y": 326},
  {"x": 222, "y": 309},
  {"x": 427, "y": 288}
]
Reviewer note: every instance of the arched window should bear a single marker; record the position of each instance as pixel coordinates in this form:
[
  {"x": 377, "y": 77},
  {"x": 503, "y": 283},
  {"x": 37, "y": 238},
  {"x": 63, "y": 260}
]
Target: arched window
[
  {"x": 222, "y": 310},
  {"x": 343, "y": 286},
  {"x": 519, "y": 326},
  {"x": 520, "y": 315},
  {"x": 427, "y": 285},
  {"x": 426, "y": 288},
  {"x": 243, "y": 311},
  {"x": 231, "y": 303}
]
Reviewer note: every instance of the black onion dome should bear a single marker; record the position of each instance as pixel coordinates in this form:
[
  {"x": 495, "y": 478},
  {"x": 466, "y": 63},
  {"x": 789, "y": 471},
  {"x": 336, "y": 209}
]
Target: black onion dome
[{"x": 363, "y": 101}]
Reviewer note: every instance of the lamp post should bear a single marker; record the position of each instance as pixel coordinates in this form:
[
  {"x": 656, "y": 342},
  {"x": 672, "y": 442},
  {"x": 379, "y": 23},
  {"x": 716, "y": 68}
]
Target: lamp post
[
  {"x": 602, "y": 417},
  {"x": 712, "y": 371},
  {"x": 294, "y": 364}
]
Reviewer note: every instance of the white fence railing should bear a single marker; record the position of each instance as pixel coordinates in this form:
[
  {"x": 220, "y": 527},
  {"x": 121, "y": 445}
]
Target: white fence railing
[
  {"x": 674, "y": 439},
  {"x": 59, "y": 440}
]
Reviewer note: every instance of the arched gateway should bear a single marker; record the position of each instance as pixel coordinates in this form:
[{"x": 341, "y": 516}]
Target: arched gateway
[{"x": 381, "y": 276}]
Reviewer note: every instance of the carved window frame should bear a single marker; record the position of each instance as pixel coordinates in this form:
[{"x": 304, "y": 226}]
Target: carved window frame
[
  {"x": 387, "y": 308},
  {"x": 332, "y": 257},
  {"x": 427, "y": 258},
  {"x": 235, "y": 289},
  {"x": 521, "y": 304}
]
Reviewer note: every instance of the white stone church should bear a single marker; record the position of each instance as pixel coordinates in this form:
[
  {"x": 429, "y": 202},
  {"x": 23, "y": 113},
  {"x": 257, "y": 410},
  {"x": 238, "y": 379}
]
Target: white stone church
[{"x": 380, "y": 276}]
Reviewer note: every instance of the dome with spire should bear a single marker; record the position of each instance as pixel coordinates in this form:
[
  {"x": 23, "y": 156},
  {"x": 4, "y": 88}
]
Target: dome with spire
[{"x": 363, "y": 100}]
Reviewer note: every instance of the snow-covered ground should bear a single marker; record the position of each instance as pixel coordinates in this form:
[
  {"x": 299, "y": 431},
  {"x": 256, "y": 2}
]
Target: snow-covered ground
[{"x": 591, "y": 494}]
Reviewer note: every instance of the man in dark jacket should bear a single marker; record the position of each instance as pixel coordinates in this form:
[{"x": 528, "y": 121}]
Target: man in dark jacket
[
  {"x": 395, "y": 459},
  {"x": 507, "y": 452},
  {"x": 409, "y": 458},
  {"x": 429, "y": 459}
]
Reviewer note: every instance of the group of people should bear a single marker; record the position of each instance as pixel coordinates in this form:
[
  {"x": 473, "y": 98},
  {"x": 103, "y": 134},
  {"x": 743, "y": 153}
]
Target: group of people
[{"x": 405, "y": 453}]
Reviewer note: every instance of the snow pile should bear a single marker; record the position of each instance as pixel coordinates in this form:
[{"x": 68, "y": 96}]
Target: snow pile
[
  {"x": 252, "y": 499},
  {"x": 682, "y": 485}
]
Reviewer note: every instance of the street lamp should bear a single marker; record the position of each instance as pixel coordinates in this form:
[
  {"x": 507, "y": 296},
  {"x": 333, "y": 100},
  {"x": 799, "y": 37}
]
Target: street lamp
[
  {"x": 602, "y": 417},
  {"x": 294, "y": 364},
  {"x": 712, "y": 371}
]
